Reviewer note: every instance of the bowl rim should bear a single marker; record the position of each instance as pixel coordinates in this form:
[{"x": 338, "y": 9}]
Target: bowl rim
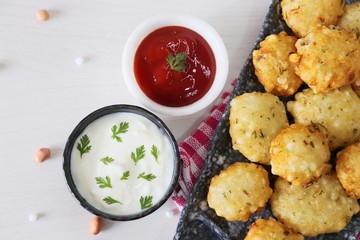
[
  {"x": 201, "y": 27},
  {"x": 70, "y": 143}
]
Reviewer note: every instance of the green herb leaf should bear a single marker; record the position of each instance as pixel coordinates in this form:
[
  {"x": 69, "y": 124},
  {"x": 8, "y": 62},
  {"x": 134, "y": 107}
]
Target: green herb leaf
[
  {"x": 116, "y": 130},
  {"x": 155, "y": 152},
  {"x": 109, "y": 200},
  {"x": 125, "y": 175},
  {"x": 147, "y": 177},
  {"x": 139, "y": 154},
  {"x": 106, "y": 160},
  {"x": 103, "y": 183},
  {"x": 177, "y": 62},
  {"x": 84, "y": 145},
  {"x": 146, "y": 202}
]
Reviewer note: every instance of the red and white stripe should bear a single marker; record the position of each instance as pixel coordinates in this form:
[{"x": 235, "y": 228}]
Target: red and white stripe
[{"x": 194, "y": 149}]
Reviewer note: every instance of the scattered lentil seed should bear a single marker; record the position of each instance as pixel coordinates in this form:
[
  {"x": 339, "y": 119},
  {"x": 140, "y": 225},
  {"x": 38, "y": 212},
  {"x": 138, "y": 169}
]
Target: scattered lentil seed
[{"x": 42, "y": 15}]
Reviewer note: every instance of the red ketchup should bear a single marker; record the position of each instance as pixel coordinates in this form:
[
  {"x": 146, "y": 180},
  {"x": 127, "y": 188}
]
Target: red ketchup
[{"x": 174, "y": 66}]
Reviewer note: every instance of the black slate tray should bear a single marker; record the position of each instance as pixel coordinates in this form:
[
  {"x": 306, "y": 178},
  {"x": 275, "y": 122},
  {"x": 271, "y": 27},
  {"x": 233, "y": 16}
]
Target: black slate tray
[{"x": 197, "y": 220}]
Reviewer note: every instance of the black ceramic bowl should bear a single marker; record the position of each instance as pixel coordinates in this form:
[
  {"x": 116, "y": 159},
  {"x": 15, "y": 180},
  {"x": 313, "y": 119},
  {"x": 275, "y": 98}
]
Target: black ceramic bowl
[{"x": 71, "y": 142}]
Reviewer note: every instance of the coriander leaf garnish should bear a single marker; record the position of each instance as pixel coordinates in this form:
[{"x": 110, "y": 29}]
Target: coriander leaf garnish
[
  {"x": 109, "y": 200},
  {"x": 155, "y": 152},
  {"x": 125, "y": 175},
  {"x": 106, "y": 160},
  {"x": 139, "y": 154},
  {"x": 177, "y": 62},
  {"x": 116, "y": 130},
  {"x": 103, "y": 183},
  {"x": 147, "y": 177},
  {"x": 84, "y": 145},
  {"x": 146, "y": 202}
]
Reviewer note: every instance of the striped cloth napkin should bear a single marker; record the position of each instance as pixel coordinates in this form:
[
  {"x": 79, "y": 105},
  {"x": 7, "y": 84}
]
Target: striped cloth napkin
[{"x": 194, "y": 149}]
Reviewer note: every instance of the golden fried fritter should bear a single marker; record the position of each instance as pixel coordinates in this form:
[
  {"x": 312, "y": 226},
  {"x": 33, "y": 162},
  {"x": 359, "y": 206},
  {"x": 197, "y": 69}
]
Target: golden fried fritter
[
  {"x": 303, "y": 15},
  {"x": 348, "y": 169},
  {"x": 255, "y": 119},
  {"x": 338, "y": 111},
  {"x": 323, "y": 207},
  {"x": 356, "y": 86},
  {"x": 300, "y": 154},
  {"x": 272, "y": 66},
  {"x": 239, "y": 190},
  {"x": 327, "y": 58},
  {"x": 270, "y": 229},
  {"x": 351, "y": 18}
]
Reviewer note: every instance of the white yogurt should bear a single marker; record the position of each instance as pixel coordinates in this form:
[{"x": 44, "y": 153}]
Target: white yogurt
[{"x": 100, "y": 173}]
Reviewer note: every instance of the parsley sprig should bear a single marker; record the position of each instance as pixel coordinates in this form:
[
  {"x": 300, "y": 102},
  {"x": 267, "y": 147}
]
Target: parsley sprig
[
  {"x": 177, "y": 62},
  {"x": 147, "y": 177},
  {"x": 109, "y": 200},
  {"x": 106, "y": 160},
  {"x": 117, "y": 130},
  {"x": 84, "y": 145},
  {"x": 146, "y": 202},
  {"x": 103, "y": 183},
  {"x": 138, "y": 155},
  {"x": 155, "y": 152},
  {"x": 125, "y": 175}
]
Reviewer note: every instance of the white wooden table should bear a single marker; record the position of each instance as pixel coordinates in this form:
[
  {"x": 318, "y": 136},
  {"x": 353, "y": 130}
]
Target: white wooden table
[{"x": 44, "y": 94}]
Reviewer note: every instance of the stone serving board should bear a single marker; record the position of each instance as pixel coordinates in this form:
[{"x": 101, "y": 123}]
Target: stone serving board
[{"x": 197, "y": 220}]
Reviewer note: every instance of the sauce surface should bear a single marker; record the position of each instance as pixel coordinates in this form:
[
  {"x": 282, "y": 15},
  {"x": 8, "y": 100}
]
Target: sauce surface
[
  {"x": 174, "y": 66},
  {"x": 128, "y": 166}
]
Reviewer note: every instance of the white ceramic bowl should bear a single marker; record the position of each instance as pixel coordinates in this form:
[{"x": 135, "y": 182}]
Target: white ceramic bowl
[{"x": 195, "y": 24}]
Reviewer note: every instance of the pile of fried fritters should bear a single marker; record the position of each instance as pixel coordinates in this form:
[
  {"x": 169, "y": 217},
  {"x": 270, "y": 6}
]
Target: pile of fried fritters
[{"x": 310, "y": 196}]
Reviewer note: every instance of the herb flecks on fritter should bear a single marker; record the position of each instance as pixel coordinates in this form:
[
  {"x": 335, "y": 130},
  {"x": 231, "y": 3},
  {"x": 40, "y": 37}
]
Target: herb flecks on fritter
[
  {"x": 348, "y": 169},
  {"x": 270, "y": 229},
  {"x": 255, "y": 119},
  {"x": 323, "y": 207},
  {"x": 272, "y": 66},
  {"x": 300, "y": 154},
  {"x": 239, "y": 190},
  {"x": 337, "y": 111},
  {"x": 303, "y": 15},
  {"x": 327, "y": 58}
]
